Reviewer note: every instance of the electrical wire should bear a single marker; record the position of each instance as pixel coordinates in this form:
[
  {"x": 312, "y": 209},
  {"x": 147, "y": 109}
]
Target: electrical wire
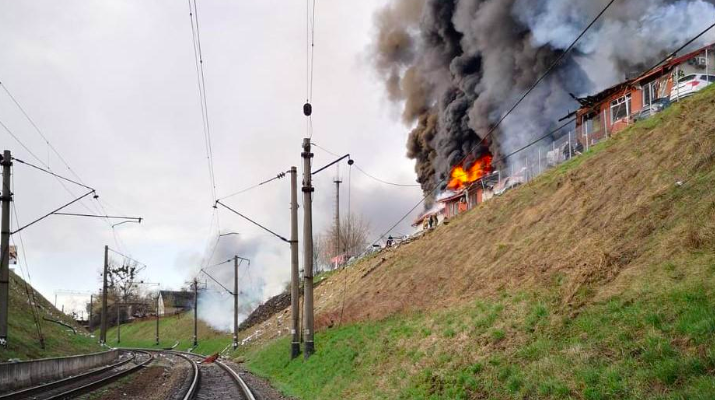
[
  {"x": 46, "y": 165},
  {"x": 37, "y": 129},
  {"x": 277, "y": 177},
  {"x": 51, "y": 173},
  {"x": 126, "y": 257},
  {"x": 384, "y": 181},
  {"x": 217, "y": 282},
  {"x": 365, "y": 173},
  {"x": 29, "y": 290},
  {"x": 201, "y": 83},
  {"x": 253, "y": 222},
  {"x": 309, "y": 59},
  {"x": 688, "y": 43},
  {"x": 52, "y": 212}
]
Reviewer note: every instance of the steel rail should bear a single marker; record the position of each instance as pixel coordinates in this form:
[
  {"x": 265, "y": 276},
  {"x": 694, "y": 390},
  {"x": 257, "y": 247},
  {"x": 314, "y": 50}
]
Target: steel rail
[
  {"x": 233, "y": 374},
  {"x": 24, "y": 393},
  {"x": 191, "y": 391},
  {"x": 90, "y": 387}
]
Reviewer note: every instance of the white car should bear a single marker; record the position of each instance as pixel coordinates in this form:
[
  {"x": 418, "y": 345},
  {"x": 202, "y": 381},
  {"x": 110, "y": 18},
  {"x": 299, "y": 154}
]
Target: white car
[{"x": 689, "y": 85}]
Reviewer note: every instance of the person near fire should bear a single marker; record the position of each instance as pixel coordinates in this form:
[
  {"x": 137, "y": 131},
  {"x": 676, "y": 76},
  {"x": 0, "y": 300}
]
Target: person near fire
[{"x": 462, "y": 205}]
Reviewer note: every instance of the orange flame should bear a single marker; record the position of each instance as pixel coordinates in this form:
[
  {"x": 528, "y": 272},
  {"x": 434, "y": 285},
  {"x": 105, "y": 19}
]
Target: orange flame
[{"x": 461, "y": 178}]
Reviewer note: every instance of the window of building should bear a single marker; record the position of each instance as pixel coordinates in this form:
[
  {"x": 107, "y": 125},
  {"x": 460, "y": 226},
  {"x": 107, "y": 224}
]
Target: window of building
[
  {"x": 621, "y": 108},
  {"x": 650, "y": 93},
  {"x": 592, "y": 123}
]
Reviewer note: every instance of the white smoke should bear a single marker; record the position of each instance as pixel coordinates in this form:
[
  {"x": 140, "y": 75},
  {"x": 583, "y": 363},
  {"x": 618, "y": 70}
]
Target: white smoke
[{"x": 260, "y": 279}]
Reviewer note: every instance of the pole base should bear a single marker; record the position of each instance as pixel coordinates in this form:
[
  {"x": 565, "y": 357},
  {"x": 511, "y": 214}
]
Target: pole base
[
  {"x": 294, "y": 350},
  {"x": 309, "y": 349}
]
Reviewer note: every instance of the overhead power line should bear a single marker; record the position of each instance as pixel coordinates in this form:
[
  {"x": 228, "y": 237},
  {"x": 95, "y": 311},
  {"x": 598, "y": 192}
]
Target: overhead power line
[
  {"x": 280, "y": 175},
  {"x": 365, "y": 173},
  {"x": 79, "y": 182},
  {"x": 688, "y": 43},
  {"x": 126, "y": 257},
  {"x": 52, "y": 173},
  {"x": 218, "y": 202},
  {"x": 52, "y": 212},
  {"x": 217, "y": 282},
  {"x": 384, "y": 181},
  {"x": 39, "y": 131},
  {"x": 201, "y": 82}
]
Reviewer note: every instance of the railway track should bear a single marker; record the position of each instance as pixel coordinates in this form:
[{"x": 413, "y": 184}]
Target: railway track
[
  {"x": 84, "y": 383},
  {"x": 214, "y": 381}
]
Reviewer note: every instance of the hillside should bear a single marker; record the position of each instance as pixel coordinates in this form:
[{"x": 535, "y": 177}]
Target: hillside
[
  {"x": 23, "y": 338},
  {"x": 173, "y": 329},
  {"x": 594, "y": 281}
]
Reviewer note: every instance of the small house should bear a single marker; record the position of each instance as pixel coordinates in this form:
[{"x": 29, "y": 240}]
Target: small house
[
  {"x": 173, "y": 302},
  {"x": 615, "y": 108}
]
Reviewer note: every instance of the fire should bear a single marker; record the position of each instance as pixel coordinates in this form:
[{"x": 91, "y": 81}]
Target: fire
[{"x": 461, "y": 178}]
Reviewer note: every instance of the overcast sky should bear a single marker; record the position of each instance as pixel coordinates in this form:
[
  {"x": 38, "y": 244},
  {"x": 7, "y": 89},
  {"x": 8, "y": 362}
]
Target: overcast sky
[{"x": 112, "y": 85}]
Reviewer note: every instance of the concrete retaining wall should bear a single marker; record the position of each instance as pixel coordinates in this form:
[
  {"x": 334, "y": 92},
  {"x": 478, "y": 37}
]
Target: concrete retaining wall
[{"x": 24, "y": 374}]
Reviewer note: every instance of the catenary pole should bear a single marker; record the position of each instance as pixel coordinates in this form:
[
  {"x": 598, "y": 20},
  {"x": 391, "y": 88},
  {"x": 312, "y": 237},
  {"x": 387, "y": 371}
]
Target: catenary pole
[
  {"x": 337, "y": 182},
  {"x": 91, "y": 305},
  {"x": 235, "y": 302},
  {"x": 294, "y": 272},
  {"x": 119, "y": 323},
  {"x": 196, "y": 312},
  {"x": 5, "y": 247},
  {"x": 103, "y": 320},
  {"x": 157, "y": 319},
  {"x": 308, "y": 250}
]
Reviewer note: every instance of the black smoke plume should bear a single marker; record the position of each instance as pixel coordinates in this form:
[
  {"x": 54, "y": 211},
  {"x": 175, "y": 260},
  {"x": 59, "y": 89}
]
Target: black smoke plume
[{"x": 456, "y": 66}]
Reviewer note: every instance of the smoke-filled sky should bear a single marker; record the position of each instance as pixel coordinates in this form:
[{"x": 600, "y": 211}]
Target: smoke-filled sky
[
  {"x": 112, "y": 84},
  {"x": 457, "y": 66}
]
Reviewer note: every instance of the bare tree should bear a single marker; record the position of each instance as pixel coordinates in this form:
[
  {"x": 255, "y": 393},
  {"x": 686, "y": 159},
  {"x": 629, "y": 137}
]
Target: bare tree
[
  {"x": 354, "y": 230},
  {"x": 123, "y": 279}
]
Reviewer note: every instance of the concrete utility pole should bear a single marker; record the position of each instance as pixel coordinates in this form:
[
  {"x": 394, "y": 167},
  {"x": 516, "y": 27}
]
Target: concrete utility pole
[
  {"x": 5, "y": 247},
  {"x": 157, "y": 319},
  {"x": 119, "y": 324},
  {"x": 337, "y": 182},
  {"x": 196, "y": 312},
  {"x": 89, "y": 323},
  {"x": 294, "y": 272},
  {"x": 308, "y": 249},
  {"x": 103, "y": 321},
  {"x": 235, "y": 302}
]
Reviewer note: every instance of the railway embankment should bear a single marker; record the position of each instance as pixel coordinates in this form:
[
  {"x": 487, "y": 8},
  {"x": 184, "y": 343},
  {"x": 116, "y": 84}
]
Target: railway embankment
[{"x": 594, "y": 281}]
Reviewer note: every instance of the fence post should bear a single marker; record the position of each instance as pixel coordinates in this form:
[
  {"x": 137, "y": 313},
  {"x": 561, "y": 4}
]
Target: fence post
[
  {"x": 541, "y": 171},
  {"x": 570, "y": 155}
]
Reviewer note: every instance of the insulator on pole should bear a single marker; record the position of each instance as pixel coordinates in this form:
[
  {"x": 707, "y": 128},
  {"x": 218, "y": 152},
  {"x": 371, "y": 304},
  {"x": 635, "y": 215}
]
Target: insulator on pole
[{"x": 307, "y": 109}]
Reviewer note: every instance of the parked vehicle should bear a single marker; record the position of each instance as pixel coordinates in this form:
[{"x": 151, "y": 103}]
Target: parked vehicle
[
  {"x": 689, "y": 85},
  {"x": 657, "y": 106}
]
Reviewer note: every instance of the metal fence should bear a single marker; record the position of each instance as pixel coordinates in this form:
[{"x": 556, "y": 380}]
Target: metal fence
[{"x": 546, "y": 153}]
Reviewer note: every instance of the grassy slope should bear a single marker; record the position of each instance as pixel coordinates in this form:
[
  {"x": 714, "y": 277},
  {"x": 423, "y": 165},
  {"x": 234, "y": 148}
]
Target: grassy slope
[
  {"x": 23, "y": 339},
  {"x": 596, "y": 281},
  {"x": 171, "y": 329}
]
